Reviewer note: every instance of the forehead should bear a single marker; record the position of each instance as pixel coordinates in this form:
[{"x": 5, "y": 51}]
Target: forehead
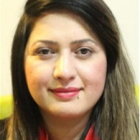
[
  {"x": 63, "y": 15},
  {"x": 61, "y": 21}
]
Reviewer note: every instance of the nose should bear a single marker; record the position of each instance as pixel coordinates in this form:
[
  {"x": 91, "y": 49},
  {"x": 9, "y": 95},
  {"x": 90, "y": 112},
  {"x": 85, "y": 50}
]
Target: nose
[{"x": 64, "y": 70}]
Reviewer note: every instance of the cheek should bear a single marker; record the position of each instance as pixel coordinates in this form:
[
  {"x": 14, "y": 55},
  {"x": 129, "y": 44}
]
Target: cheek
[
  {"x": 97, "y": 74},
  {"x": 94, "y": 76},
  {"x": 37, "y": 75}
]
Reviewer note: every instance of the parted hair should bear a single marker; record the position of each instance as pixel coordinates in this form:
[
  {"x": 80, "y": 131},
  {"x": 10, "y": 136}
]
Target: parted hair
[{"x": 115, "y": 116}]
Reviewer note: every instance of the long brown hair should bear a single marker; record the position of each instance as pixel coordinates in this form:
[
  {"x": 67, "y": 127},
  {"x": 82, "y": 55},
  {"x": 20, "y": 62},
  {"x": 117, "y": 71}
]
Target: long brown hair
[{"x": 115, "y": 116}]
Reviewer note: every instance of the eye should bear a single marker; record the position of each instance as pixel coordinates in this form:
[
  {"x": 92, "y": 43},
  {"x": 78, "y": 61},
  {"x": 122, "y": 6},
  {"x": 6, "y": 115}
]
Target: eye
[
  {"x": 84, "y": 52},
  {"x": 44, "y": 52}
]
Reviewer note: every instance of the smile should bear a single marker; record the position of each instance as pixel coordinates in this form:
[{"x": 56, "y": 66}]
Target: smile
[{"x": 66, "y": 93}]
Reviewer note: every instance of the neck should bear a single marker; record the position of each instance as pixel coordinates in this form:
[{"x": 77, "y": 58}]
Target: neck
[{"x": 61, "y": 128}]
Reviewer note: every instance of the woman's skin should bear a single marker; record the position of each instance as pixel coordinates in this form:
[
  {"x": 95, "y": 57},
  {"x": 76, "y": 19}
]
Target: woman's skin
[{"x": 65, "y": 68}]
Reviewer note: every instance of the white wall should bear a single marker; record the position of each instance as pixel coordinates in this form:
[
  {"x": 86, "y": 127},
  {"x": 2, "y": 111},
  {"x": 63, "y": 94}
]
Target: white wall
[
  {"x": 126, "y": 12},
  {"x": 10, "y": 12}
]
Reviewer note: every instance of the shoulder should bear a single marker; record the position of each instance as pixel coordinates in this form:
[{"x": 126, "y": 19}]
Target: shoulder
[{"x": 3, "y": 129}]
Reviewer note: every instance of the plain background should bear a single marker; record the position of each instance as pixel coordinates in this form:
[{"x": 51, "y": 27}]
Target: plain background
[{"x": 127, "y": 13}]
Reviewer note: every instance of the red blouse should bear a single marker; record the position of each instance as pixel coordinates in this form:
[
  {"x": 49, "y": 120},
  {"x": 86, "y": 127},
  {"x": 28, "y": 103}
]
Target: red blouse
[{"x": 90, "y": 136}]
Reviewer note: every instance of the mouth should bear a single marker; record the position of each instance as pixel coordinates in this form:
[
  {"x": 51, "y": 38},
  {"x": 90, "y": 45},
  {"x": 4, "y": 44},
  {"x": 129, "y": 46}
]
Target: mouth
[
  {"x": 66, "y": 93},
  {"x": 65, "y": 90}
]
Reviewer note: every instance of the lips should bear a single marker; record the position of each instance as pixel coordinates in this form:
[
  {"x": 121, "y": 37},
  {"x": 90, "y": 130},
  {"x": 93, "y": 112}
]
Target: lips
[
  {"x": 66, "y": 93},
  {"x": 65, "y": 90}
]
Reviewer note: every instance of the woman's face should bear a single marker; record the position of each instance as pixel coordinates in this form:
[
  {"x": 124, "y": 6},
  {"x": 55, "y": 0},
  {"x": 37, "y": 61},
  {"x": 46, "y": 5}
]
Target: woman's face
[{"x": 65, "y": 65}]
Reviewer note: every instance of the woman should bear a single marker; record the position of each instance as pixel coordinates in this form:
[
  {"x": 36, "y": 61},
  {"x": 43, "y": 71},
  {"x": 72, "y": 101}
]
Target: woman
[{"x": 71, "y": 79}]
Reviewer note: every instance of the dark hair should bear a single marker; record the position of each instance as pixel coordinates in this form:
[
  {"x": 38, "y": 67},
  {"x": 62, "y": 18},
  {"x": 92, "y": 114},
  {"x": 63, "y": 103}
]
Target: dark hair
[{"x": 115, "y": 115}]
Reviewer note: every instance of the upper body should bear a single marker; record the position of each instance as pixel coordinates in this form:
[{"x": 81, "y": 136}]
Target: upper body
[{"x": 71, "y": 79}]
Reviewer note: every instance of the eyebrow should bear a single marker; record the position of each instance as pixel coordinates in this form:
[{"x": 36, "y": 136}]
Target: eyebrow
[
  {"x": 46, "y": 42},
  {"x": 83, "y": 41},
  {"x": 50, "y": 42}
]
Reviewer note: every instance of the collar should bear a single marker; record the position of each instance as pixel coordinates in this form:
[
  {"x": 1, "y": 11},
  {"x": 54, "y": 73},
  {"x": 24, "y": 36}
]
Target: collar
[{"x": 91, "y": 135}]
